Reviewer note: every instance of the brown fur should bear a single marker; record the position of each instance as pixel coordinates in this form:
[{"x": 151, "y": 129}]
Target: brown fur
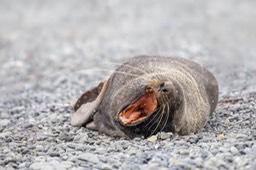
[{"x": 190, "y": 96}]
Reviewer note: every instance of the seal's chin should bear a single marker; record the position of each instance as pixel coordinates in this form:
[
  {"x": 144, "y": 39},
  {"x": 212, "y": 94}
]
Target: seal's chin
[{"x": 139, "y": 110}]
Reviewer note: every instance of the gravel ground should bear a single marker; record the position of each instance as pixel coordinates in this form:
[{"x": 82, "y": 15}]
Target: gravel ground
[{"x": 52, "y": 51}]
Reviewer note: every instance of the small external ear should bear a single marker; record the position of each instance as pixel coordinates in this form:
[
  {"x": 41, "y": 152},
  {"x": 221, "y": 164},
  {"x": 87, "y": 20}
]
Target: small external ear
[{"x": 88, "y": 104}]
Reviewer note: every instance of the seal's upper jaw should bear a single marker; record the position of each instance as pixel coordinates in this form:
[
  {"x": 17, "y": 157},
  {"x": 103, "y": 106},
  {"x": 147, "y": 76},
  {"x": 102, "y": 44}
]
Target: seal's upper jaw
[{"x": 139, "y": 110}]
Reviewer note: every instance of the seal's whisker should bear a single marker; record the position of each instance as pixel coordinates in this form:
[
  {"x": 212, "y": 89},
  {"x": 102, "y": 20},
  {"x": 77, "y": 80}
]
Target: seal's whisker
[
  {"x": 101, "y": 69},
  {"x": 159, "y": 121},
  {"x": 167, "y": 117},
  {"x": 164, "y": 100},
  {"x": 125, "y": 73},
  {"x": 156, "y": 115},
  {"x": 162, "y": 113},
  {"x": 136, "y": 68},
  {"x": 127, "y": 65}
]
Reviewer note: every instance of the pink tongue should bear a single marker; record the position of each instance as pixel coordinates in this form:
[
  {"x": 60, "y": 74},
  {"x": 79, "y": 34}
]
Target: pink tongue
[
  {"x": 130, "y": 118},
  {"x": 140, "y": 109}
]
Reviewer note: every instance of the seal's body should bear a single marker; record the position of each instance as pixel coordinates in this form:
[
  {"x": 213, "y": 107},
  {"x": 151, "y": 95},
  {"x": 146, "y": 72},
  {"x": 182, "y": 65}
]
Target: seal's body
[{"x": 149, "y": 94}]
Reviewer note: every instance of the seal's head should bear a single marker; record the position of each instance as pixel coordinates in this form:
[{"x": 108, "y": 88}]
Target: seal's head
[{"x": 152, "y": 111}]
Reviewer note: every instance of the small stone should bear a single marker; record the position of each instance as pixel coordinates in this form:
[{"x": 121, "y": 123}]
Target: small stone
[
  {"x": 193, "y": 139},
  {"x": 157, "y": 146},
  {"x": 54, "y": 154},
  {"x": 23, "y": 165},
  {"x": 4, "y": 122},
  {"x": 174, "y": 161},
  {"x": 220, "y": 137},
  {"x": 132, "y": 152},
  {"x": 24, "y": 151},
  {"x": 227, "y": 122},
  {"x": 39, "y": 148},
  {"x": 185, "y": 137},
  {"x": 204, "y": 153},
  {"x": 153, "y": 166},
  {"x": 89, "y": 157},
  {"x": 71, "y": 145},
  {"x": 198, "y": 161},
  {"x": 64, "y": 157},
  {"x": 228, "y": 157},
  {"x": 40, "y": 159},
  {"x": 152, "y": 138},
  {"x": 253, "y": 166},
  {"x": 215, "y": 163},
  {"x": 137, "y": 139},
  {"x": 184, "y": 152},
  {"x": 234, "y": 150},
  {"x": 240, "y": 136},
  {"x": 17, "y": 109},
  {"x": 106, "y": 167},
  {"x": 65, "y": 137},
  {"x": 104, "y": 159},
  {"x": 5, "y": 134},
  {"x": 40, "y": 166},
  {"x": 9, "y": 159},
  {"x": 28, "y": 125},
  {"x": 52, "y": 165},
  {"x": 165, "y": 136}
]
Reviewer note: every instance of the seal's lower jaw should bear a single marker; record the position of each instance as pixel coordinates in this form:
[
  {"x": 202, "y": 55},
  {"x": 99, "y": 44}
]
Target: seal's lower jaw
[{"x": 140, "y": 110}]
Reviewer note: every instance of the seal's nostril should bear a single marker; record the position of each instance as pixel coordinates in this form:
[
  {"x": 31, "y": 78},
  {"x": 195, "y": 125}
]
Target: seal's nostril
[{"x": 164, "y": 90}]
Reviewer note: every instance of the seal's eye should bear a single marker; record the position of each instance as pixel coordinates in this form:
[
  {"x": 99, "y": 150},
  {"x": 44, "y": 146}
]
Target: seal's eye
[{"x": 162, "y": 85}]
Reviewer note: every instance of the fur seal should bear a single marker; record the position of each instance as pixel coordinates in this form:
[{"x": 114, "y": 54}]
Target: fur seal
[{"x": 149, "y": 94}]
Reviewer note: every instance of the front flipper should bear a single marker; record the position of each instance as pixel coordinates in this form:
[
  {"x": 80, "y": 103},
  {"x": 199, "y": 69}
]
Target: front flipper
[{"x": 87, "y": 104}]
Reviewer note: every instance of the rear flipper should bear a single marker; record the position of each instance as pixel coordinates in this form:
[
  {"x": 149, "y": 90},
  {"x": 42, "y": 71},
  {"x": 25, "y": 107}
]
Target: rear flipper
[{"x": 87, "y": 105}]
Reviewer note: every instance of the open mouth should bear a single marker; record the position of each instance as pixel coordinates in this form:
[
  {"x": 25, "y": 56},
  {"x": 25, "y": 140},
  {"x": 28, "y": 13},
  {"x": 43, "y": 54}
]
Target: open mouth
[{"x": 140, "y": 110}]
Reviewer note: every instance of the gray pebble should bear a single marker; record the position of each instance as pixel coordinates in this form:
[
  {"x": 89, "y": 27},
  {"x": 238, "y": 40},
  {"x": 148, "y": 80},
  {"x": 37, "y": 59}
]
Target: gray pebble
[
  {"x": 4, "y": 122},
  {"x": 17, "y": 109},
  {"x": 204, "y": 153},
  {"x": 89, "y": 157},
  {"x": 53, "y": 154},
  {"x": 41, "y": 166},
  {"x": 65, "y": 137},
  {"x": 165, "y": 136},
  {"x": 253, "y": 166},
  {"x": 228, "y": 157},
  {"x": 28, "y": 125},
  {"x": 51, "y": 165},
  {"x": 215, "y": 163},
  {"x": 106, "y": 167},
  {"x": 39, "y": 148}
]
